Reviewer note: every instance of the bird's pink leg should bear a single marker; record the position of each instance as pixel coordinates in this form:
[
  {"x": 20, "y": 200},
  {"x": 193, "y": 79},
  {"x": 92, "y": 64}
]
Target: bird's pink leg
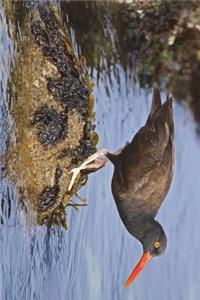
[{"x": 92, "y": 162}]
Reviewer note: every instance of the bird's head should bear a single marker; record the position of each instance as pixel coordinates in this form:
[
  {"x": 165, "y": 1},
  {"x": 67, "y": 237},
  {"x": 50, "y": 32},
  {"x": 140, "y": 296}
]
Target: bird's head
[{"x": 154, "y": 243}]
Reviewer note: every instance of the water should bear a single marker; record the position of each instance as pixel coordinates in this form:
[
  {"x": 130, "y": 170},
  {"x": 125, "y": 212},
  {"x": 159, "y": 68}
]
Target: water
[{"x": 93, "y": 258}]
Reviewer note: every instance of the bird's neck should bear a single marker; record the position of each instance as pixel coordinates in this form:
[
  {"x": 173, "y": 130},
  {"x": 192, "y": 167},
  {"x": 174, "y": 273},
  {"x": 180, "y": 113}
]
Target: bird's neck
[
  {"x": 142, "y": 227},
  {"x": 137, "y": 221}
]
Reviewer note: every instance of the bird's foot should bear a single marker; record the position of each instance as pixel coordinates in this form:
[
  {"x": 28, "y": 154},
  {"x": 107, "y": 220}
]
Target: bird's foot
[{"x": 91, "y": 163}]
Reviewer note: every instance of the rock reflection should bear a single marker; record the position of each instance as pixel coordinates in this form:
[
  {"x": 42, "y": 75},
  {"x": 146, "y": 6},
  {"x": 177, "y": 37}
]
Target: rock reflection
[{"x": 150, "y": 40}]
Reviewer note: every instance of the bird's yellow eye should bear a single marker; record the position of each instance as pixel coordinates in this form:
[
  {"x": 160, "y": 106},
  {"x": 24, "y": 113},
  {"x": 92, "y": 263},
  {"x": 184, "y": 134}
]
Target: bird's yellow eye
[{"x": 156, "y": 245}]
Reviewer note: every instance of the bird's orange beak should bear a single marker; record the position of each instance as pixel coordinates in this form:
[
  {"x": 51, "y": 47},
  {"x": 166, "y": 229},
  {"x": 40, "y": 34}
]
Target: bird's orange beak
[{"x": 140, "y": 266}]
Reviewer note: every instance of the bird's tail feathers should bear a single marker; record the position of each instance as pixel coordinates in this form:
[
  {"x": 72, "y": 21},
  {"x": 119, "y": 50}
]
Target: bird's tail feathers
[
  {"x": 156, "y": 101},
  {"x": 169, "y": 99}
]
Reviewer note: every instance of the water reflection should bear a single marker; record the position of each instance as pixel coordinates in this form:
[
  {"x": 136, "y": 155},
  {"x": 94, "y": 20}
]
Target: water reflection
[{"x": 92, "y": 259}]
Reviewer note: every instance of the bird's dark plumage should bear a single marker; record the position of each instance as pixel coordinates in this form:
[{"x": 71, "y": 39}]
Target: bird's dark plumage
[
  {"x": 143, "y": 170},
  {"x": 142, "y": 176}
]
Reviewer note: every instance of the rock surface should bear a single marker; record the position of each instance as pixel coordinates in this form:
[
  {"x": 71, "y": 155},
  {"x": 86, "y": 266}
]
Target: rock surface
[{"x": 52, "y": 108}]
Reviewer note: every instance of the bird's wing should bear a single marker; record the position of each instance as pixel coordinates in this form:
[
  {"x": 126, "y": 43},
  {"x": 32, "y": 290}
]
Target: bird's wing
[{"x": 151, "y": 148}]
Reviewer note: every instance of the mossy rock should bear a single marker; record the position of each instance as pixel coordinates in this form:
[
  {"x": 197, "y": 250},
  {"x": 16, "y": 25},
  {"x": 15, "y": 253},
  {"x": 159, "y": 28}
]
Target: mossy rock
[{"x": 52, "y": 112}]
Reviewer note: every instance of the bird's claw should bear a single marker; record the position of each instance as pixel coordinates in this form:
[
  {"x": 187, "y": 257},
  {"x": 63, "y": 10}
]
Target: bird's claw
[
  {"x": 74, "y": 170},
  {"x": 75, "y": 173}
]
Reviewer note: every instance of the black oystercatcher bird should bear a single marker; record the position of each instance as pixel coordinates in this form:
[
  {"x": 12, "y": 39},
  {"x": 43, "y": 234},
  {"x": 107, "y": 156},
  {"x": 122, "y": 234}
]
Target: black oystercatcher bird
[{"x": 142, "y": 176}]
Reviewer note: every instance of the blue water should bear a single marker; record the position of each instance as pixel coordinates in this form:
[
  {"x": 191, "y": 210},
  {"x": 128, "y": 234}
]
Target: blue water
[{"x": 92, "y": 259}]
